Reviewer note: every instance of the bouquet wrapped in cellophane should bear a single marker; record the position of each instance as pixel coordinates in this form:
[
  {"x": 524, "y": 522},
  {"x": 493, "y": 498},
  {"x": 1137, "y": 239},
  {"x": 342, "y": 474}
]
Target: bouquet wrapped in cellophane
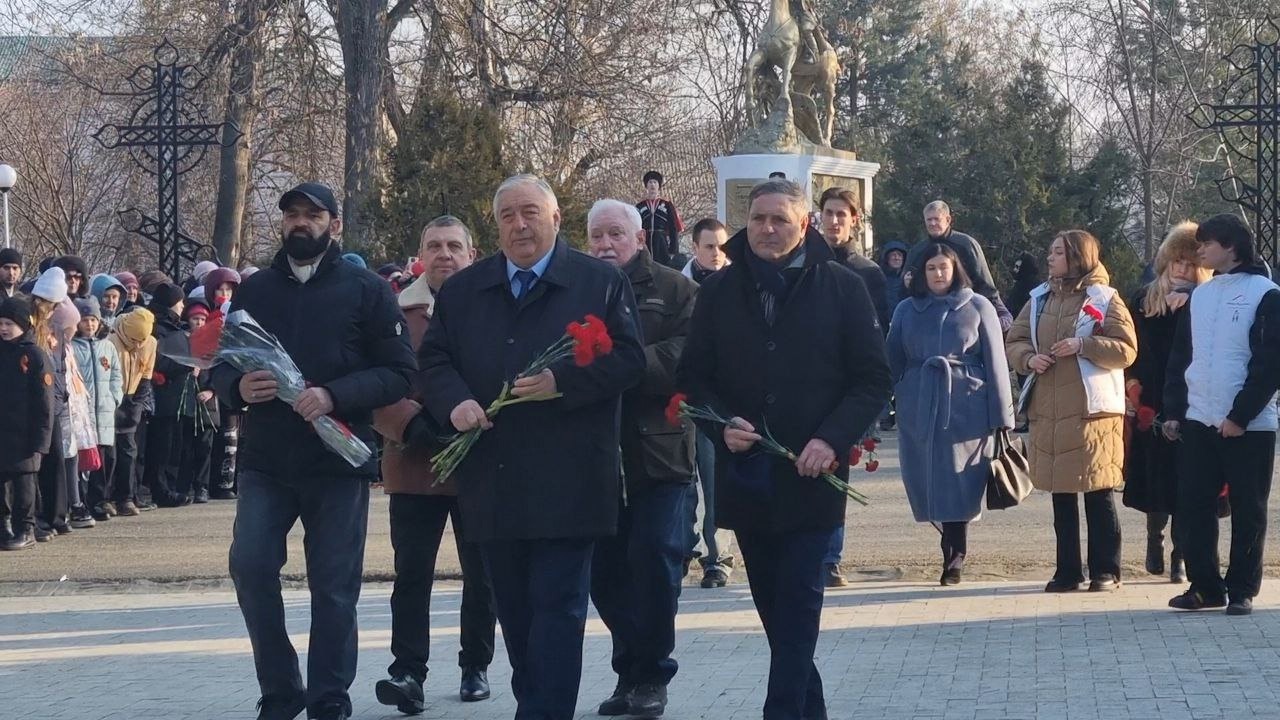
[{"x": 240, "y": 341}]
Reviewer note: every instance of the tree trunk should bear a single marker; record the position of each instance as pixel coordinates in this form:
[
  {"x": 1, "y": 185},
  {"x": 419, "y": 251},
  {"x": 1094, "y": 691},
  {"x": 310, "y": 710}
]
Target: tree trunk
[
  {"x": 242, "y": 102},
  {"x": 361, "y": 26}
]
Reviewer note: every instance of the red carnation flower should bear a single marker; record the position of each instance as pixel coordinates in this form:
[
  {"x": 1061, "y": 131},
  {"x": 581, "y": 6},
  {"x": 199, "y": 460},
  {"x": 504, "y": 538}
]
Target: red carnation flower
[
  {"x": 583, "y": 353},
  {"x": 158, "y": 379},
  {"x": 1146, "y": 417},
  {"x": 855, "y": 456},
  {"x": 873, "y": 466},
  {"x": 1093, "y": 312},
  {"x": 869, "y": 444},
  {"x": 673, "y": 408},
  {"x": 599, "y": 334}
]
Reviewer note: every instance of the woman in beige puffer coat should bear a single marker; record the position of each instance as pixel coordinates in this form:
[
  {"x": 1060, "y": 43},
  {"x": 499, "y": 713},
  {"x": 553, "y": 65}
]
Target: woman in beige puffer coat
[{"x": 1084, "y": 338}]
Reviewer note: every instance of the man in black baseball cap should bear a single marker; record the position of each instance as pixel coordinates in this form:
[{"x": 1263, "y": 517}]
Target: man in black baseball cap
[
  {"x": 319, "y": 194},
  {"x": 311, "y": 219}
]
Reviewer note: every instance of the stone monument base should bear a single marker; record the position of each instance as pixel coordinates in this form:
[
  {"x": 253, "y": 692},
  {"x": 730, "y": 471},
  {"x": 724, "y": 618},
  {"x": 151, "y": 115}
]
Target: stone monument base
[{"x": 814, "y": 168}]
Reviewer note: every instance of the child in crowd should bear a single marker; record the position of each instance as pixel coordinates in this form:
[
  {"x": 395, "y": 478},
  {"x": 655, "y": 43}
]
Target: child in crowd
[
  {"x": 26, "y": 420},
  {"x": 219, "y": 287},
  {"x": 131, "y": 338},
  {"x": 48, "y": 291},
  {"x": 200, "y": 425},
  {"x": 99, "y": 365}
]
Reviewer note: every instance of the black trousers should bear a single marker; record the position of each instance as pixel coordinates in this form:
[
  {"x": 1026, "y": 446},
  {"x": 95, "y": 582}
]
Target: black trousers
[
  {"x": 20, "y": 495},
  {"x": 197, "y": 454},
  {"x": 954, "y": 543},
  {"x": 335, "y": 515},
  {"x": 1206, "y": 460},
  {"x": 102, "y": 479},
  {"x": 1104, "y": 535},
  {"x": 125, "y": 473},
  {"x": 540, "y": 589},
  {"x": 52, "y": 481},
  {"x": 417, "y": 525},
  {"x": 635, "y": 581},
  {"x": 785, "y": 573},
  {"x": 163, "y": 459}
]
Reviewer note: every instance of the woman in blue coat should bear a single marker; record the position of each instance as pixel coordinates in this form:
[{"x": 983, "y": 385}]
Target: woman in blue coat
[{"x": 951, "y": 379}]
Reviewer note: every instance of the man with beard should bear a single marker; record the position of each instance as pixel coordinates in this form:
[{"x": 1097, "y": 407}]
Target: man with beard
[
  {"x": 420, "y": 506},
  {"x": 636, "y": 574},
  {"x": 341, "y": 326},
  {"x": 937, "y": 223},
  {"x": 10, "y": 273}
]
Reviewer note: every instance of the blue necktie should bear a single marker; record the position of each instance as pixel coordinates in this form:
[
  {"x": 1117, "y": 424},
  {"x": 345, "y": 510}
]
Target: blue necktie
[{"x": 524, "y": 281}]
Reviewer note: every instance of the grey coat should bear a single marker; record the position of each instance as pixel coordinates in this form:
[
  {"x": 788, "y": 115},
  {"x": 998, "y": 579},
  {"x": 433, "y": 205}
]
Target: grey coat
[{"x": 951, "y": 379}]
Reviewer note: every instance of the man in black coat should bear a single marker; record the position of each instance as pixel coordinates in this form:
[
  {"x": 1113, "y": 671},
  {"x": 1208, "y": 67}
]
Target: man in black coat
[
  {"x": 660, "y": 220},
  {"x": 636, "y": 575},
  {"x": 785, "y": 339},
  {"x": 839, "y": 217},
  {"x": 342, "y": 327},
  {"x": 541, "y": 485},
  {"x": 937, "y": 224}
]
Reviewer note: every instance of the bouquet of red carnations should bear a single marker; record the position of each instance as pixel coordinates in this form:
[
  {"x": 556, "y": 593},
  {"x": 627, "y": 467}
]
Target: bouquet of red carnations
[
  {"x": 240, "y": 341},
  {"x": 679, "y": 408},
  {"x": 583, "y": 341}
]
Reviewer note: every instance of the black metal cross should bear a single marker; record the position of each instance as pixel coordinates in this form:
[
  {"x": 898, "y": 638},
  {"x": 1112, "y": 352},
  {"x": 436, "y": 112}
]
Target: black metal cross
[
  {"x": 1257, "y": 70},
  {"x": 166, "y": 144}
]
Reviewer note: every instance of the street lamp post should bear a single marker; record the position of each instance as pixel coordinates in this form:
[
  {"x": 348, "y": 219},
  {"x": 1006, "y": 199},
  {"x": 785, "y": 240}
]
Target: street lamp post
[{"x": 8, "y": 176}]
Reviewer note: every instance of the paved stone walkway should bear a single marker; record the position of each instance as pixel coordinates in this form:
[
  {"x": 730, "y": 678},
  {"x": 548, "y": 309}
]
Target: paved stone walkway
[{"x": 888, "y": 650}]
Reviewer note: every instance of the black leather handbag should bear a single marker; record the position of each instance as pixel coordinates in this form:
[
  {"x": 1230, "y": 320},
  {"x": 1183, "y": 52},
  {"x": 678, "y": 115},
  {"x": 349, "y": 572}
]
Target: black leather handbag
[{"x": 1009, "y": 481}]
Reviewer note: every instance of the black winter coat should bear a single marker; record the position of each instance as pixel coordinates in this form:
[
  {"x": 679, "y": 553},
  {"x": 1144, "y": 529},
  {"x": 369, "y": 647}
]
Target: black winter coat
[
  {"x": 26, "y": 406},
  {"x": 345, "y": 332},
  {"x": 547, "y": 469},
  {"x": 1150, "y": 462},
  {"x": 819, "y": 371},
  {"x": 654, "y": 451},
  {"x": 873, "y": 277},
  {"x": 174, "y": 387}
]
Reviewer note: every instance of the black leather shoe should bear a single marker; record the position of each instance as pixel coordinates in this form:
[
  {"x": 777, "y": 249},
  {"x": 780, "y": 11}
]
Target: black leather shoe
[
  {"x": 1061, "y": 586},
  {"x": 714, "y": 577},
  {"x": 648, "y": 700},
  {"x": 44, "y": 534},
  {"x": 950, "y": 576},
  {"x": 402, "y": 691},
  {"x": 21, "y": 541},
  {"x": 273, "y": 709},
  {"x": 201, "y": 497},
  {"x": 1240, "y": 606},
  {"x": 619, "y": 702},
  {"x": 1104, "y": 583},
  {"x": 1192, "y": 600},
  {"x": 475, "y": 685},
  {"x": 1155, "y": 557}
]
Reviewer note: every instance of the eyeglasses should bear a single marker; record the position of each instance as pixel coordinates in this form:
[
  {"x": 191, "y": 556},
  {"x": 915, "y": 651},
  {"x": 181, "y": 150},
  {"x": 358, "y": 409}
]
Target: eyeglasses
[{"x": 74, "y": 276}]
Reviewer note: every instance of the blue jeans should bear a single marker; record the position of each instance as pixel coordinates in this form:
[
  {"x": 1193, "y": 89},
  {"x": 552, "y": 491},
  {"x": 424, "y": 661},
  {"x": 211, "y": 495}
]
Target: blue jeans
[
  {"x": 635, "y": 581},
  {"x": 540, "y": 590},
  {"x": 785, "y": 573},
  {"x": 335, "y": 515},
  {"x": 714, "y": 546},
  {"x": 835, "y": 547}
]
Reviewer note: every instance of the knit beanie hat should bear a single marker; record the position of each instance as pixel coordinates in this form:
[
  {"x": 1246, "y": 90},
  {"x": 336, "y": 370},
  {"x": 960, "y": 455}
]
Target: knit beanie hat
[
  {"x": 166, "y": 295},
  {"x": 216, "y": 278},
  {"x": 356, "y": 260},
  {"x": 65, "y": 317},
  {"x": 135, "y": 325},
  {"x": 203, "y": 268},
  {"x": 89, "y": 307},
  {"x": 51, "y": 285},
  {"x": 127, "y": 279},
  {"x": 10, "y": 256},
  {"x": 195, "y": 309},
  {"x": 18, "y": 310}
]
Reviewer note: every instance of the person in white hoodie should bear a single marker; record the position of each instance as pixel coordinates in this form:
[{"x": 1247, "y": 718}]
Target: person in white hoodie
[{"x": 1219, "y": 400}]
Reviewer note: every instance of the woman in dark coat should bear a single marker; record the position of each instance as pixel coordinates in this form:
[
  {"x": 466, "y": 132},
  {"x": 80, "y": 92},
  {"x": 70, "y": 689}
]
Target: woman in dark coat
[
  {"x": 1026, "y": 276},
  {"x": 951, "y": 378},
  {"x": 26, "y": 418},
  {"x": 1149, "y": 469},
  {"x": 174, "y": 399}
]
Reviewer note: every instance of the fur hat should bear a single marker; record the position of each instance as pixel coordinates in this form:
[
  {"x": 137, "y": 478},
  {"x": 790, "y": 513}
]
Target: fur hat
[
  {"x": 1179, "y": 244},
  {"x": 18, "y": 310},
  {"x": 51, "y": 285},
  {"x": 652, "y": 175}
]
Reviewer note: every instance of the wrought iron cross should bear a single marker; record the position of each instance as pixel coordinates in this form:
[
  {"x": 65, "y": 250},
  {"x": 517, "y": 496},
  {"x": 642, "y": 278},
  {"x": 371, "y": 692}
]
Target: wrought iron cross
[
  {"x": 1257, "y": 73},
  {"x": 166, "y": 141}
]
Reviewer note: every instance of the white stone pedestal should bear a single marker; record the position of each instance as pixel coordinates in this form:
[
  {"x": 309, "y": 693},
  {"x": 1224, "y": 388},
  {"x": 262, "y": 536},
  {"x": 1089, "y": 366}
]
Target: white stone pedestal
[{"x": 816, "y": 171}]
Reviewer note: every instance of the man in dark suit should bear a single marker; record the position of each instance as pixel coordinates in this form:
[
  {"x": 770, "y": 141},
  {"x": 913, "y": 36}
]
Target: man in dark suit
[
  {"x": 340, "y": 324},
  {"x": 541, "y": 484},
  {"x": 636, "y": 575},
  {"x": 785, "y": 338}
]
